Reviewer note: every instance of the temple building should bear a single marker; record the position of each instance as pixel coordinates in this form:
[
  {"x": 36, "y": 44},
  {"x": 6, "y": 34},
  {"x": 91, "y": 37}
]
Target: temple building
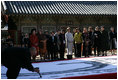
[{"x": 52, "y": 15}]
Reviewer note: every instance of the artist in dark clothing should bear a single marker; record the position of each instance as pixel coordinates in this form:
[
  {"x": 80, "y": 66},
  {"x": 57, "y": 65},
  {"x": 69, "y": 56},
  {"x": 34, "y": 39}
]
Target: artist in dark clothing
[{"x": 15, "y": 58}]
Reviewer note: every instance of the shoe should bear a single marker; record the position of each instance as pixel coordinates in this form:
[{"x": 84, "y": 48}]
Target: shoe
[
  {"x": 105, "y": 54},
  {"x": 94, "y": 54},
  {"x": 113, "y": 54}
]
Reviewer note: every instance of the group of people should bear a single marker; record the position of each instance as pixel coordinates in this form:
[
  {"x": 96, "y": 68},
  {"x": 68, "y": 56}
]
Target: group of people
[
  {"x": 53, "y": 45},
  {"x": 99, "y": 39},
  {"x": 50, "y": 46}
]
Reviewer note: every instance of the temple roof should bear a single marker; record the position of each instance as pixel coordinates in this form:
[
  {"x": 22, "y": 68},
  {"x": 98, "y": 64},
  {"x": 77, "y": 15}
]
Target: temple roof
[{"x": 62, "y": 7}]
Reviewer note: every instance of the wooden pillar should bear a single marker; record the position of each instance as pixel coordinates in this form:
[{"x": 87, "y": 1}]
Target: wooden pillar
[{"x": 19, "y": 23}]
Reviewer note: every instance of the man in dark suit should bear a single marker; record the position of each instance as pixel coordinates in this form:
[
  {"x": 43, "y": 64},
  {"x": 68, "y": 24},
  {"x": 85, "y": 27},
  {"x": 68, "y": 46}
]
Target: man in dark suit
[
  {"x": 53, "y": 46},
  {"x": 62, "y": 46},
  {"x": 47, "y": 43},
  {"x": 15, "y": 58}
]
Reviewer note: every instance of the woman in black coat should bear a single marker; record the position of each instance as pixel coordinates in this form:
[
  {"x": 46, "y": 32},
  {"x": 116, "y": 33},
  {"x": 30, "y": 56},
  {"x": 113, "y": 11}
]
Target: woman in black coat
[
  {"x": 113, "y": 38},
  {"x": 86, "y": 42},
  {"x": 96, "y": 41},
  {"x": 104, "y": 41}
]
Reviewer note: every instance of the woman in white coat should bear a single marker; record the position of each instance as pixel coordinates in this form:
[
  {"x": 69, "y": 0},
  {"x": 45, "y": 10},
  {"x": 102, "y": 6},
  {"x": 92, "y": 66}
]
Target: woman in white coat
[{"x": 69, "y": 42}]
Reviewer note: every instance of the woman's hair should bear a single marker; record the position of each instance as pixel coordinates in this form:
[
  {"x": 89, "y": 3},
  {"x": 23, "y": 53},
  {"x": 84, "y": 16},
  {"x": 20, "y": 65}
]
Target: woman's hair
[
  {"x": 111, "y": 28},
  {"x": 90, "y": 28},
  {"x": 68, "y": 28},
  {"x": 52, "y": 32},
  {"x": 84, "y": 28},
  {"x": 33, "y": 30},
  {"x": 62, "y": 30},
  {"x": 102, "y": 27},
  {"x": 96, "y": 27}
]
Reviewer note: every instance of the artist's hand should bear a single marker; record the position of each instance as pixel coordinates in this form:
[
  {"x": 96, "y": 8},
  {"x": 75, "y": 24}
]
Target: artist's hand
[{"x": 36, "y": 70}]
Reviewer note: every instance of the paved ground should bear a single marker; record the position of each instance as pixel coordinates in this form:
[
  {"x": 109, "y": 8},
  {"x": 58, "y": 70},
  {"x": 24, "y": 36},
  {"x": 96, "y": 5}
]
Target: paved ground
[{"x": 38, "y": 58}]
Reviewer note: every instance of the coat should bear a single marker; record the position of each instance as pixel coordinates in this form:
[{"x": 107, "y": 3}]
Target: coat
[
  {"x": 26, "y": 42},
  {"x": 86, "y": 43},
  {"x": 58, "y": 41},
  {"x": 47, "y": 41},
  {"x": 97, "y": 38},
  {"x": 78, "y": 37},
  {"x": 53, "y": 44},
  {"x": 113, "y": 40},
  {"x": 69, "y": 42},
  {"x": 42, "y": 44},
  {"x": 62, "y": 40},
  {"x": 86, "y": 39},
  {"x": 91, "y": 37},
  {"x": 104, "y": 41},
  {"x": 69, "y": 39},
  {"x": 34, "y": 42}
]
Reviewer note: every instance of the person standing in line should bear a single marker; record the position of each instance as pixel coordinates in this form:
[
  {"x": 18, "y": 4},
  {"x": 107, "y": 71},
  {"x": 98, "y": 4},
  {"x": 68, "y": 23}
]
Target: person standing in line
[
  {"x": 48, "y": 44},
  {"x": 86, "y": 41},
  {"x": 53, "y": 46},
  {"x": 74, "y": 31},
  {"x": 62, "y": 46},
  {"x": 26, "y": 41},
  {"x": 113, "y": 40},
  {"x": 69, "y": 42},
  {"x": 34, "y": 41},
  {"x": 22, "y": 39},
  {"x": 90, "y": 32},
  {"x": 9, "y": 41},
  {"x": 42, "y": 44},
  {"x": 96, "y": 41},
  {"x": 78, "y": 42},
  {"x": 58, "y": 43},
  {"x": 104, "y": 41}
]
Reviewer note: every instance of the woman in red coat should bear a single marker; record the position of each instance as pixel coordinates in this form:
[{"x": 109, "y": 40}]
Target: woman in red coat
[{"x": 34, "y": 41}]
